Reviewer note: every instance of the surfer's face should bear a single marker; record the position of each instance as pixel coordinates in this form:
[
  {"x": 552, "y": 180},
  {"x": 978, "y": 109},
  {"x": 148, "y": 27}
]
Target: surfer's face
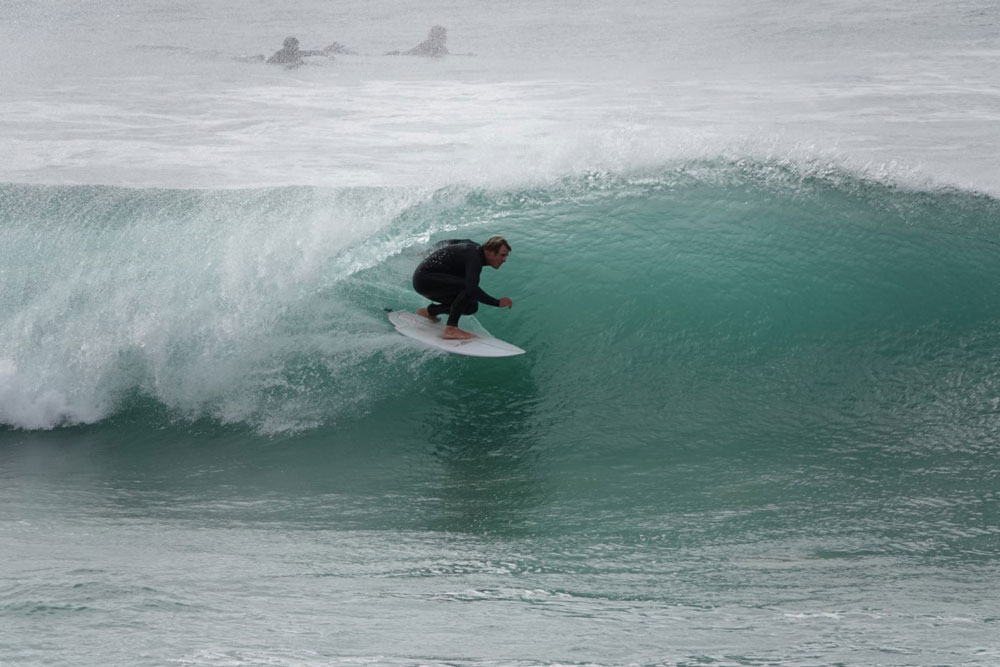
[{"x": 495, "y": 259}]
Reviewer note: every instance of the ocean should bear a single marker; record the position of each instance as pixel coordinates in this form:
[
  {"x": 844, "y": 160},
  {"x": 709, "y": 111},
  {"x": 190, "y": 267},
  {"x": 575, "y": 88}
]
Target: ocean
[{"x": 755, "y": 266}]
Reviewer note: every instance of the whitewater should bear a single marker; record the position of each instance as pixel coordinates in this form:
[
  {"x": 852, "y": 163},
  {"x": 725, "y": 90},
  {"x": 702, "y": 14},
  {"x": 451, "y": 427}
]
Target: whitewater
[
  {"x": 900, "y": 90},
  {"x": 755, "y": 266}
]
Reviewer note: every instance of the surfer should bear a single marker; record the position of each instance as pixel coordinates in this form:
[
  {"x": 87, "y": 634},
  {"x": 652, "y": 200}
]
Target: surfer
[
  {"x": 432, "y": 47},
  {"x": 290, "y": 56},
  {"x": 449, "y": 277}
]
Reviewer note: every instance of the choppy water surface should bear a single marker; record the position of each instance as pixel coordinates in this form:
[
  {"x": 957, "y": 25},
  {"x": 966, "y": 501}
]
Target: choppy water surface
[{"x": 754, "y": 265}]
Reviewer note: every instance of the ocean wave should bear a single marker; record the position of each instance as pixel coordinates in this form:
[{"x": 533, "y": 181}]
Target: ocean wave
[{"x": 263, "y": 307}]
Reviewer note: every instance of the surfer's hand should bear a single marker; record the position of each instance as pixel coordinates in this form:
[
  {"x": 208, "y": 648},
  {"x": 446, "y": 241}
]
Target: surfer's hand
[{"x": 506, "y": 303}]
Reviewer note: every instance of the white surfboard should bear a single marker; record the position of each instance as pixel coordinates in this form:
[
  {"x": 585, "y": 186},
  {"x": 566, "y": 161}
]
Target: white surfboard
[{"x": 427, "y": 332}]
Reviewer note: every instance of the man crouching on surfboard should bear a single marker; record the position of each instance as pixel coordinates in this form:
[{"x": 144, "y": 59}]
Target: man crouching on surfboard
[{"x": 449, "y": 277}]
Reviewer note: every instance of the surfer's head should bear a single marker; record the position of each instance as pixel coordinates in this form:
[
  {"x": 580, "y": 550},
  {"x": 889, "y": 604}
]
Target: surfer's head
[
  {"x": 496, "y": 250},
  {"x": 437, "y": 35},
  {"x": 291, "y": 44}
]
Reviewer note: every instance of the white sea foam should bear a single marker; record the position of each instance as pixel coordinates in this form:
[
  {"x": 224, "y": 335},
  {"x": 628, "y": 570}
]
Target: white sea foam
[
  {"x": 908, "y": 88},
  {"x": 188, "y": 299}
]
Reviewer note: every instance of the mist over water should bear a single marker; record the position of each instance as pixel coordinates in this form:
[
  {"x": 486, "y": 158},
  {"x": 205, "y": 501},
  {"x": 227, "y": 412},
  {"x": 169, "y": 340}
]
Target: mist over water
[
  {"x": 156, "y": 95},
  {"x": 755, "y": 269}
]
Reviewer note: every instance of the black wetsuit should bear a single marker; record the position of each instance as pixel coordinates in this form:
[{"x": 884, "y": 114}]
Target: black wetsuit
[{"x": 449, "y": 276}]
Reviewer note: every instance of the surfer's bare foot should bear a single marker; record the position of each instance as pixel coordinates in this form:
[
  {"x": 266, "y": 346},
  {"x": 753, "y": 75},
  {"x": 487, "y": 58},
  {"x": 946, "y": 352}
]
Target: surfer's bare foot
[
  {"x": 423, "y": 313},
  {"x": 454, "y": 333}
]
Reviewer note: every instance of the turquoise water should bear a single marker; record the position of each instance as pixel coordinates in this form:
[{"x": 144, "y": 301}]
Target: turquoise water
[{"x": 756, "y": 424}]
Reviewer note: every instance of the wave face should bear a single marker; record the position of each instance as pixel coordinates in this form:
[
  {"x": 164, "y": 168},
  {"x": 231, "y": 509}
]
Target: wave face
[{"x": 707, "y": 302}]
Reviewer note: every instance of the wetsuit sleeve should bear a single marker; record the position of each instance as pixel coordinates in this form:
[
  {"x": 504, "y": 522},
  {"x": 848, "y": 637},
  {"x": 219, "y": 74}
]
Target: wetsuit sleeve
[
  {"x": 472, "y": 264},
  {"x": 473, "y": 269},
  {"x": 483, "y": 297}
]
